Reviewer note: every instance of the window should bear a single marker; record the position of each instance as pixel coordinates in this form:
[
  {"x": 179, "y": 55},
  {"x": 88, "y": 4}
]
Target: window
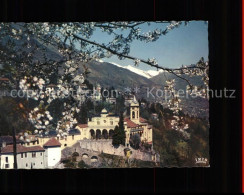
[
  {"x": 6, "y": 159},
  {"x": 6, "y": 166},
  {"x": 25, "y": 155},
  {"x": 22, "y": 155},
  {"x": 26, "y": 165},
  {"x": 98, "y": 122},
  {"x": 111, "y": 122},
  {"x": 72, "y": 137},
  {"x": 133, "y": 114},
  {"x": 33, "y": 155},
  {"x": 41, "y": 154}
]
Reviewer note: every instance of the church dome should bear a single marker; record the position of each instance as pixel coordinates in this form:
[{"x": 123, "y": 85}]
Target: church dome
[{"x": 104, "y": 111}]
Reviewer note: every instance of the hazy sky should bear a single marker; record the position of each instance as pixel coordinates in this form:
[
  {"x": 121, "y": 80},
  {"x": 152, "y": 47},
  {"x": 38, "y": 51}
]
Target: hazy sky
[{"x": 183, "y": 45}]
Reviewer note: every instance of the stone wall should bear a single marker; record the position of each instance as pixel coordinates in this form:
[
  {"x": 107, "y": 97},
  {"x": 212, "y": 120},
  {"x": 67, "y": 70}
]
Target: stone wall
[{"x": 106, "y": 146}]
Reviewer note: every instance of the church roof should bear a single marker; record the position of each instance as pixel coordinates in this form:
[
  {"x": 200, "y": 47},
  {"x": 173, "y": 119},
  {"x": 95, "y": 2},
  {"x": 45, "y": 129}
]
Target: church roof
[
  {"x": 142, "y": 120},
  {"x": 130, "y": 123},
  {"x": 82, "y": 125},
  {"x": 52, "y": 142},
  {"x": 104, "y": 111}
]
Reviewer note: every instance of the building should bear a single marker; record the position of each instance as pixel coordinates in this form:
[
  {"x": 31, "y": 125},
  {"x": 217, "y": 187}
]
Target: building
[
  {"x": 67, "y": 140},
  {"x": 28, "y": 140},
  {"x": 8, "y": 140},
  {"x": 128, "y": 100},
  {"x": 99, "y": 127},
  {"x": 102, "y": 127},
  {"x": 4, "y": 81},
  {"x": 52, "y": 152},
  {"x": 111, "y": 100},
  {"x": 27, "y": 157},
  {"x": 96, "y": 94},
  {"x": 32, "y": 157},
  {"x": 137, "y": 125},
  {"x": 155, "y": 116}
]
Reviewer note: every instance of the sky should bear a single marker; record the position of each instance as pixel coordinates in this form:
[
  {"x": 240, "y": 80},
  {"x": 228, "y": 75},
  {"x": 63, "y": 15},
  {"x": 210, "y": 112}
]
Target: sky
[{"x": 184, "y": 45}]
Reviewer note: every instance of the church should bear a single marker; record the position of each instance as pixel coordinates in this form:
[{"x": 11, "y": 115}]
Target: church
[{"x": 102, "y": 127}]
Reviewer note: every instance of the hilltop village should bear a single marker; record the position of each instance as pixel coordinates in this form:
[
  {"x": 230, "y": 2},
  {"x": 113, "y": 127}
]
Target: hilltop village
[{"x": 88, "y": 142}]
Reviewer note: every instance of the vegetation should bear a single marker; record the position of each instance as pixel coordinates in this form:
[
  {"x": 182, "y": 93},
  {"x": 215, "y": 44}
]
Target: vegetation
[
  {"x": 13, "y": 114},
  {"x": 113, "y": 161},
  {"x": 174, "y": 149},
  {"x": 83, "y": 165},
  {"x": 119, "y": 133},
  {"x": 135, "y": 141},
  {"x": 69, "y": 163}
]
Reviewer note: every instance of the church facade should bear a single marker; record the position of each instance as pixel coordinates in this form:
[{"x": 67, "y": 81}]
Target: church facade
[{"x": 102, "y": 127}]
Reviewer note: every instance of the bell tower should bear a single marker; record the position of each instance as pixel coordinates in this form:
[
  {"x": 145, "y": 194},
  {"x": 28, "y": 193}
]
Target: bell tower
[{"x": 135, "y": 111}]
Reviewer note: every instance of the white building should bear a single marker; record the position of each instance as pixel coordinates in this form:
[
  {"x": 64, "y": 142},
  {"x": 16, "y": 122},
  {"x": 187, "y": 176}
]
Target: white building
[
  {"x": 99, "y": 127},
  {"x": 52, "y": 152},
  {"x": 32, "y": 157},
  {"x": 111, "y": 100},
  {"x": 27, "y": 157},
  {"x": 96, "y": 94}
]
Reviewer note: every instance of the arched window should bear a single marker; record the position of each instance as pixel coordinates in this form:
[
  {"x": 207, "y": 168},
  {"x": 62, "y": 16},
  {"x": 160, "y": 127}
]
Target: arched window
[{"x": 133, "y": 114}]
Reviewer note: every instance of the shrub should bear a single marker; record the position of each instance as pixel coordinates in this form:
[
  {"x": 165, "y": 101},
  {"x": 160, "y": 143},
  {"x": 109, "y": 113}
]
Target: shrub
[
  {"x": 65, "y": 161},
  {"x": 83, "y": 165},
  {"x": 70, "y": 165}
]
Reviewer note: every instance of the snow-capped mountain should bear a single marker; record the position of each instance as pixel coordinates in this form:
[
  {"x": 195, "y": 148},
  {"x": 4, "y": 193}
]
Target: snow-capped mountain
[{"x": 148, "y": 74}]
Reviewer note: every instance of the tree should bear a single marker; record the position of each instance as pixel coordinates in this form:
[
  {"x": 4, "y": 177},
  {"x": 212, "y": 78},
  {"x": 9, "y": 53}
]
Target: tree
[
  {"x": 35, "y": 55},
  {"x": 119, "y": 133},
  {"x": 116, "y": 138},
  {"x": 135, "y": 141},
  {"x": 122, "y": 129}
]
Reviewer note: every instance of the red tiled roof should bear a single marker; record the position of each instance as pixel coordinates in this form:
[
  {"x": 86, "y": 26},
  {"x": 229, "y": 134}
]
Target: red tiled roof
[
  {"x": 130, "y": 124},
  {"x": 52, "y": 142},
  {"x": 82, "y": 125},
  {"x": 35, "y": 148},
  {"x": 4, "y": 79},
  {"x": 51, "y": 85},
  {"x": 21, "y": 149},
  {"x": 142, "y": 120}
]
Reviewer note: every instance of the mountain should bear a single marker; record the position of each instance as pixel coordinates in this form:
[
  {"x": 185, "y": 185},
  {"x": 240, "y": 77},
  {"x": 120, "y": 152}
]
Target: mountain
[
  {"x": 161, "y": 79},
  {"x": 108, "y": 75},
  {"x": 197, "y": 105},
  {"x": 148, "y": 74},
  {"x": 121, "y": 77}
]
